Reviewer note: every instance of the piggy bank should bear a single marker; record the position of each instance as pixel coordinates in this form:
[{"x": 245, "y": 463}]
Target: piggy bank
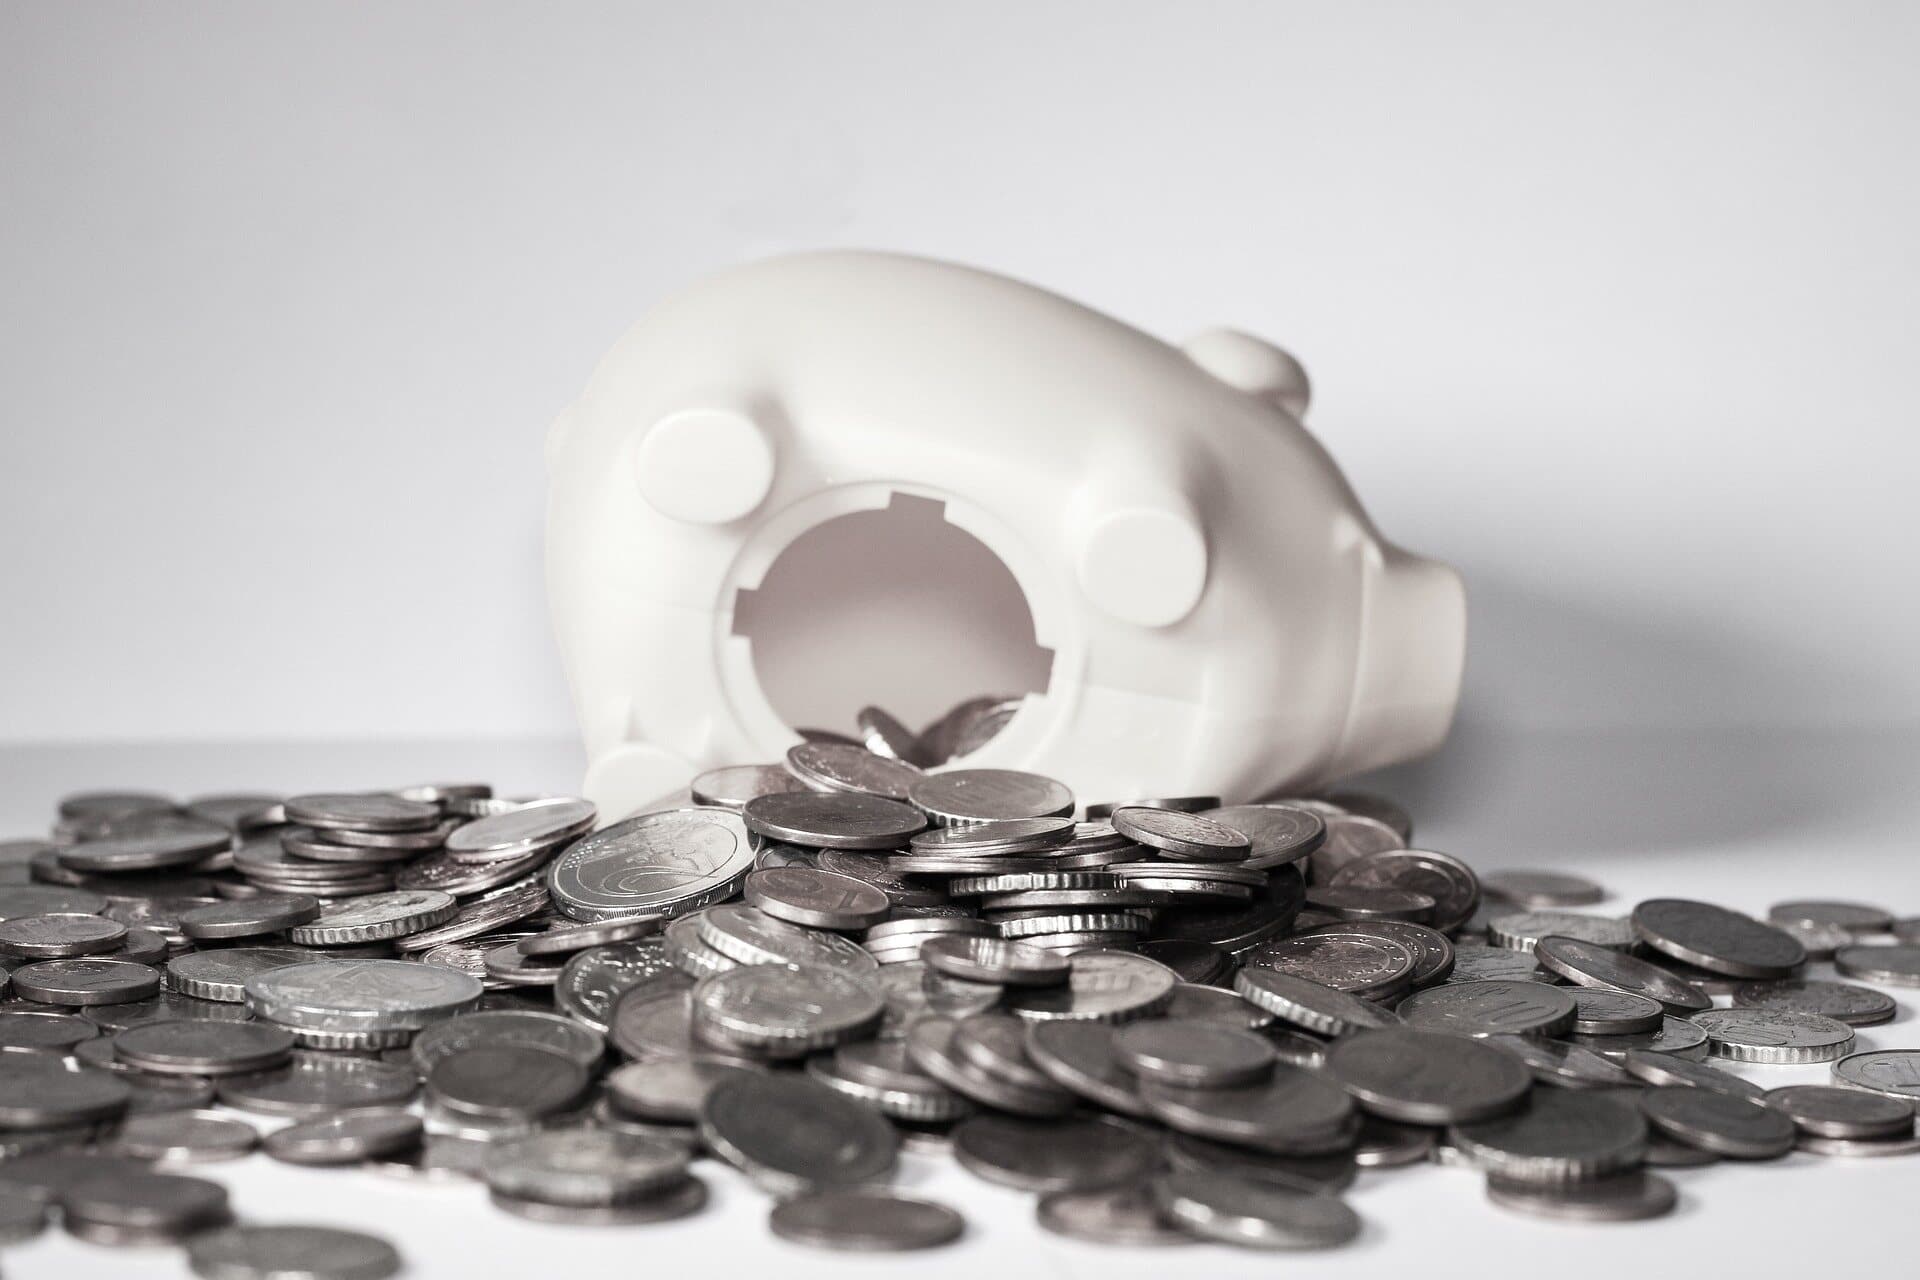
[{"x": 843, "y": 480}]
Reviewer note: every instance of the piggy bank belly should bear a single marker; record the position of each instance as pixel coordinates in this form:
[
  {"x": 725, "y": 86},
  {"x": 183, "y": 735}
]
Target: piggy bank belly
[{"x": 1032, "y": 536}]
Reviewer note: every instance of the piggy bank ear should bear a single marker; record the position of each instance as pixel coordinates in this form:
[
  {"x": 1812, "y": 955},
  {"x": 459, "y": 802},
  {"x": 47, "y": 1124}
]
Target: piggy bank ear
[
  {"x": 704, "y": 466},
  {"x": 1252, "y": 365}
]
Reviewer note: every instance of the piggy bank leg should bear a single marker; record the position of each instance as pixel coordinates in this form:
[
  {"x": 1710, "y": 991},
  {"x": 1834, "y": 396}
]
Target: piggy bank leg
[{"x": 632, "y": 777}]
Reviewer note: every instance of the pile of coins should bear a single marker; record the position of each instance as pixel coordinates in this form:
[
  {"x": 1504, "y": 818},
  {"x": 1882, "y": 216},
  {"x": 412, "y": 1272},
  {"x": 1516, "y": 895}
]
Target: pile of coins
[{"x": 1167, "y": 1019}]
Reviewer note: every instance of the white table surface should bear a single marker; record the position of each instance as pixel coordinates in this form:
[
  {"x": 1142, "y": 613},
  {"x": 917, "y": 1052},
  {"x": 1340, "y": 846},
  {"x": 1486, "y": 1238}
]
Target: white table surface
[{"x": 1744, "y": 818}]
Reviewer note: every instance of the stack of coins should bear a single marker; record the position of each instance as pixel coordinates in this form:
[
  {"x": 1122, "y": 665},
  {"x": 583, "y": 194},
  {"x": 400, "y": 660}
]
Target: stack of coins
[{"x": 1163, "y": 1018}]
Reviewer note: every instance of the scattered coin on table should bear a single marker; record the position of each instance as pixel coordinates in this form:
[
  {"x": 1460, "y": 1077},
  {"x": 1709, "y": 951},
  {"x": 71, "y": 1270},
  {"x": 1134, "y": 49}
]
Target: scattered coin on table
[{"x": 1163, "y": 1020}]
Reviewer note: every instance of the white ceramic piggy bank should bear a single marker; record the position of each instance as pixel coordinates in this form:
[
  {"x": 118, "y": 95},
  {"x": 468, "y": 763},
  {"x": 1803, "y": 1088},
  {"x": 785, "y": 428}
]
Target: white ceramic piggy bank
[{"x": 836, "y": 480}]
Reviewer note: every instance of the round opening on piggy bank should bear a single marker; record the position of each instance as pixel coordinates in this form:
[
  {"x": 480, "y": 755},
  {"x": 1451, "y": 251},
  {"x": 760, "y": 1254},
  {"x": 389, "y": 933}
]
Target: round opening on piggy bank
[{"x": 892, "y": 607}]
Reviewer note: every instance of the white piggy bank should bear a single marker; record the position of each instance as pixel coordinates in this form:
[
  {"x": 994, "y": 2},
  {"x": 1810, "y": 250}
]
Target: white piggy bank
[{"x": 835, "y": 480}]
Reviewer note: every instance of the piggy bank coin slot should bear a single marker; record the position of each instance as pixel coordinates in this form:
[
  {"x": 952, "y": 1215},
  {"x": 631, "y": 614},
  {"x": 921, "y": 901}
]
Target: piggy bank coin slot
[{"x": 898, "y": 609}]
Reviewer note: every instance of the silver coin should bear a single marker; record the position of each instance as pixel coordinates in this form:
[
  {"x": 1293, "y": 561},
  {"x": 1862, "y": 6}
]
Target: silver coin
[
  {"x": 1355, "y": 902},
  {"x": 1351, "y": 837},
  {"x": 250, "y": 917},
  {"x": 837, "y": 767},
  {"x": 360, "y": 995},
  {"x": 539, "y": 824},
  {"x": 1541, "y": 890},
  {"x": 931, "y": 1047},
  {"x": 1716, "y": 939},
  {"x": 1851, "y": 917},
  {"x": 785, "y": 1012},
  {"x": 566, "y": 940},
  {"x": 203, "y": 1047},
  {"x": 1474, "y": 962},
  {"x": 1252, "y": 1215},
  {"x": 1369, "y": 966},
  {"x": 1895, "y": 965},
  {"x": 1331, "y": 1171},
  {"x": 506, "y": 1082},
  {"x": 492, "y": 910},
  {"x": 221, "y": 975},
  {"x": 1424, "y": 1077},
  {"x": 585, "y": 1167},
  {"x": 1081, "y": 1057},
  {"x": 667, "y": 1090},
  {"x": 1665, "y": 1069},
  {"x": 443, "y": 873},
  {"x": 1123, "y": 1215},
  {"x": 994, "y": 960},
  {"x": 1277, "y": 834},
  {"x": 85, "y": 982},
  {"x": 731, "y": 787},
  {"x": 1491, "y": 1008},
  {"x": 885, "y": 735},
  {"x": 1565, "y": 1065},
  {"x": 1621, "y": 1197},
  {"x": 1434, "y": 957},
  {"x": 35, "y": 1095},
  {"x": 904, "y": 890},
  {"x": 18, "y": 900},
  {"x": 833, "y": 820},
  {"x": 1676, "y": 1036},
  {"x": 1217, "y": 1005},
  {"x": 1108, "y": 986},
  {"x": 819, "y": 899},
  {"x": 22, "y": 1217},
  {"x": 1561, "y": 1136},
  {"x": 883, "y": 1076},
  {"x": 748, "y": 935},
  {"x": 958, "y": 797},
  {"x": 1181, "y": 835},
  {"x": 55, "y": 937},
  {"x": 1196, "y": 1054},
  {"x": 375, "y": 918},
  {"x": 105, "y": 806},
  {"x": 1591, "y": 965},
  {"x": 507, "y": 1027},
  {"x": 1858, "y": 1146},
  {"x": 1719, "y": 1122},
  {"x": 1522, "y": 930},
  {"x": 1601, "y": 1011},
  {"x": 1313, "y": 1005},
  {"x": 184, "y": 845},
  {"x": 315, "y": 1083},
  {"x": 1291, "y": 1111},
  {"x": 912, "y": 991},
  {"x": 362, "y": 812},
  {"x": 142, "y": 1208},
  {"x": 37, "y": 1031},
  {"x": 1774, "y": 1035},
  {"x": 1828, "y": 1111},
  {"x": 687, "y": 1197},
  {"x": 1895, "y": 1072},
  {"x": 184, "y": 1137},
  {"x": 668, "y": 862},
  {"x": 1841, "y": 1001},
  {"x": 593, "y": 980},
  {"x": 507, "y": 963},
  {"x": 350, "y": 1137},
  {"x": 791, "y": 1134},
  {"x": 996, "y": 839},
  {"x": 291, "y": 1253},
  {"x": 967, "y": 727},
  {"x": 1044, "y": 1156},
  {"x": 1451, "y": 883}
]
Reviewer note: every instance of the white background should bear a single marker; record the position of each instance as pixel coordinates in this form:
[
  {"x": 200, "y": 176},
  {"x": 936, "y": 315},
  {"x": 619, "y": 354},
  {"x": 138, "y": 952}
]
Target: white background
[{"x": 1610, "y": 305}]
